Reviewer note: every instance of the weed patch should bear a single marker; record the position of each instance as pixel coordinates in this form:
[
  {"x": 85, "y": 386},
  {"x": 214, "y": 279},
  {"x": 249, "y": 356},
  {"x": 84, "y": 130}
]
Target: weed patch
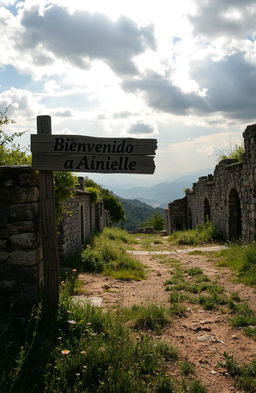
[
  {"x": 244, "y": 375},
  {"x": 107, "y": 255},
  {"x": 241, "y": 259},
  {"x": 151, "y": 317},
  {"x": 204, "y": 233}
]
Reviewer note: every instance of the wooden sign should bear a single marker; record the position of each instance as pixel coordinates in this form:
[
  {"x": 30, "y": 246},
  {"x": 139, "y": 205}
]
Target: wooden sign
[
  {"x": 93, "y": 154},
  {"x": 77, "y": 154}
]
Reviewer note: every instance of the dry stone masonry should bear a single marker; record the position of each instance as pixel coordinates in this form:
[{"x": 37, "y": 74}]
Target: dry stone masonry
[
  {"x": 227, "y": 198},
  {"x": 21, "y": 261},
  {"x": 21, "y": 264}
]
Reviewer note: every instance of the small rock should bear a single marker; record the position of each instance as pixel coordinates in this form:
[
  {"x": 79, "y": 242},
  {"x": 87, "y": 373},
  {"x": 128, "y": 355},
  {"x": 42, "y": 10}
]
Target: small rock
[
  {"x": 204, "y": 338},
  {"x": 234, "y": 337},
  {"x": 213, "y": 372},
  {"x": 106, "y": 287},
  {"x": 158, "y": 274}
]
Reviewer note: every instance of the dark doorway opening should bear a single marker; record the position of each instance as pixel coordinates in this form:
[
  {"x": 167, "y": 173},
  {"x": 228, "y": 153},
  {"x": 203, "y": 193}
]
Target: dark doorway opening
[
  {"x": 207, "y": 210},
  {"x": 234, "y": 219},
  {"x": 189, "y": 219},
  {"x": 82, "y": 223}
]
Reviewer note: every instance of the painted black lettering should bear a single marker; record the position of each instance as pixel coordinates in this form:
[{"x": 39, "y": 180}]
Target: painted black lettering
[
  {"x": 68, "y": 164},
  {"x": 59, "y": 144}
]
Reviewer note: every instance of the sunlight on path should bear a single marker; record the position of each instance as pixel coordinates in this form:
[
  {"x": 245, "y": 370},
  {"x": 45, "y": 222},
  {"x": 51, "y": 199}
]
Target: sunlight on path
[{"x": 184, "y": 251}]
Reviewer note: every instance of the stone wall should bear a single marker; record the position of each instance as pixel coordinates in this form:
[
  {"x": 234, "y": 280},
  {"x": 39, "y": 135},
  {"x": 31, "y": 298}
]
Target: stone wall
[
  {"x": 84, "y": 217},
  {"x": 21, "y": 265},
  {"x": 21, "y": 260},
  {"x": 227, "y": 198}
]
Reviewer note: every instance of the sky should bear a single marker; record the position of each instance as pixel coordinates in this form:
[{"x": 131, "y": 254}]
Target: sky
[{"x": 183, "y": 72}]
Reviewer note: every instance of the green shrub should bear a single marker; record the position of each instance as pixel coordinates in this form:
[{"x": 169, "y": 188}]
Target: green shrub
[
  {"x": 107, "y": 254},
  {"x": 95, "y": 193},
  {"x": 204, "y": 233}
]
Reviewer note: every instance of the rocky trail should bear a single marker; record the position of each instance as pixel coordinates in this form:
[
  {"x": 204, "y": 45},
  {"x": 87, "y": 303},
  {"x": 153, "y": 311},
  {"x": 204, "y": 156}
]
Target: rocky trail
[{"x": 201, "y": 336}]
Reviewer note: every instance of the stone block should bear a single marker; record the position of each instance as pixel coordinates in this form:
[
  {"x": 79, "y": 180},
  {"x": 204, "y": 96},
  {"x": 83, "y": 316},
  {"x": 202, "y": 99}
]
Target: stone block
[
  {"x": 23, "y": 212},
  {"x": 18, "y": 227},
  {"x": 28, "y": 179},
  {"x": 24, "y": 258},
  {"x": 9, "y": 183},
  {"x": 7, "y": 286},
  {"x": 3, "y": 256},
  {"x": 28, "y": 274},
  {"x": 24, "y": 241},
  {"x": 24, "y": 195},
  {"x": 3, "y": 217},
  {"x": 3, "y": 244}
]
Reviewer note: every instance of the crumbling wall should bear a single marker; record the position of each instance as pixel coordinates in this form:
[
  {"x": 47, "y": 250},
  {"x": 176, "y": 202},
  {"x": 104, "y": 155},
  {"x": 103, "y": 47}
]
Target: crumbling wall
[
  {"x": 21, "y": 264},
  {"x": 227, "y": 198}
]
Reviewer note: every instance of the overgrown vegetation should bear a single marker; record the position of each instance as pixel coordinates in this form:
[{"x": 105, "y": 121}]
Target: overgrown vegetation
[
  {"x": 244, "y": 375},
  {"x": 203, "y": 233},
  {"x": 111, "y": 202},
  {"x": 234, "y": 152},
  {"x": 156, "y": 221},
  {"x": 87, "y": 350},
  {"x": 106, "y": 254},
  {"x": 241, "y": 259}
]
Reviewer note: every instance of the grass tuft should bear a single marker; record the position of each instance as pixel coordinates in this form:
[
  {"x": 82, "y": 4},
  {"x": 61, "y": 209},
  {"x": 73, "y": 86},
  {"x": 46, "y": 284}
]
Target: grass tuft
[{"x": 151, "y": 317}]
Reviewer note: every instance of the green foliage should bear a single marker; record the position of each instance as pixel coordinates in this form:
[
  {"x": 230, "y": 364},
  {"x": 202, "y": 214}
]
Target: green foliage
[
  {"x": 64, "y": 187},
  {"x": 14, "y": 156},
  {"x": 244, "y": 375},
  {"x": 137, "y": 212},
  {"x": 11, "y": 154},
  {"x": 156, "y": 221},
  {"x": 95, "y": 193},
  {"x": 111, "y": 202},
  {"x": 234, "y": 152},
  {"x": 112, "y": 205},
  {"x": 107, "y": 254},
  {"x": 187, "y": 368},
  {"x": 203, "y": 233},
  {"x": 241, "y": 259},
  {"x": 93, "y": 351},
  {"x": 150, "y": 317}
]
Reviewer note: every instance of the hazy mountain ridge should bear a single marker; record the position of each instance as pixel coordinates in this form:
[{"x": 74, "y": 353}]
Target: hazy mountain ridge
[
  {"x": 161, "y": 193},
  {"x": 136, "y": 212}
]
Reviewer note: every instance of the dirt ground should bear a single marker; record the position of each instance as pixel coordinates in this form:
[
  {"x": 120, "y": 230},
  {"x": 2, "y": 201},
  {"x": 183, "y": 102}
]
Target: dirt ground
[{"x": 201, "y": 336}]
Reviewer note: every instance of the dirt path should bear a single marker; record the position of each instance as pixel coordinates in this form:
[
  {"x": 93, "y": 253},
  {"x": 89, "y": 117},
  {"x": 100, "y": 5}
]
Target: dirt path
[{"x": 201, "y": 336}]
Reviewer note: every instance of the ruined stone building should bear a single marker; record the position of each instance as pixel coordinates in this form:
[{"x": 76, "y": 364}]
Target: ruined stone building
[{"x": 227, "y": 198}]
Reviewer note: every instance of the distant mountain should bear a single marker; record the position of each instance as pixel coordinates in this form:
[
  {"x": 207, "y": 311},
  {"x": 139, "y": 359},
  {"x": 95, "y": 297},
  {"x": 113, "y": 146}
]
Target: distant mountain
[
  {"x": 136, "y": 212},
  {"x": 160, "y": 194}
]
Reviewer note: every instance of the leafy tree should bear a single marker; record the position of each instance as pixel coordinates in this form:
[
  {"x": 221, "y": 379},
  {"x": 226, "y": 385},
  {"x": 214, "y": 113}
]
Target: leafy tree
[
  {"x": 156, "y": 221},
  {"x": 111, "y": 201},
  {"x": 113, "y": 205}
]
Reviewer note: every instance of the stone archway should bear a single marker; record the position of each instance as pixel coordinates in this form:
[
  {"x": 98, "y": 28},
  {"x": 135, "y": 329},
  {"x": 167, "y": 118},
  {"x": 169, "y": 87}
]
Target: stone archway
[
  {"x": 207, "y": 210},
  {"x": 234, "y": 215}
]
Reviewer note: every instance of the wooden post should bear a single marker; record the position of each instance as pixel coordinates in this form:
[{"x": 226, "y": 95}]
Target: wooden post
[{"x": 48, "y": 227}]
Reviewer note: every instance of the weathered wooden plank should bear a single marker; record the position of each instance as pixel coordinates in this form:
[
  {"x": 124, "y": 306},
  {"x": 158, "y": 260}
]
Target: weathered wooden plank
[
  {"x": 93, "y": 163},
  {"x": 48, "y": 227},
  {"x": 78, "y": 144}
]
